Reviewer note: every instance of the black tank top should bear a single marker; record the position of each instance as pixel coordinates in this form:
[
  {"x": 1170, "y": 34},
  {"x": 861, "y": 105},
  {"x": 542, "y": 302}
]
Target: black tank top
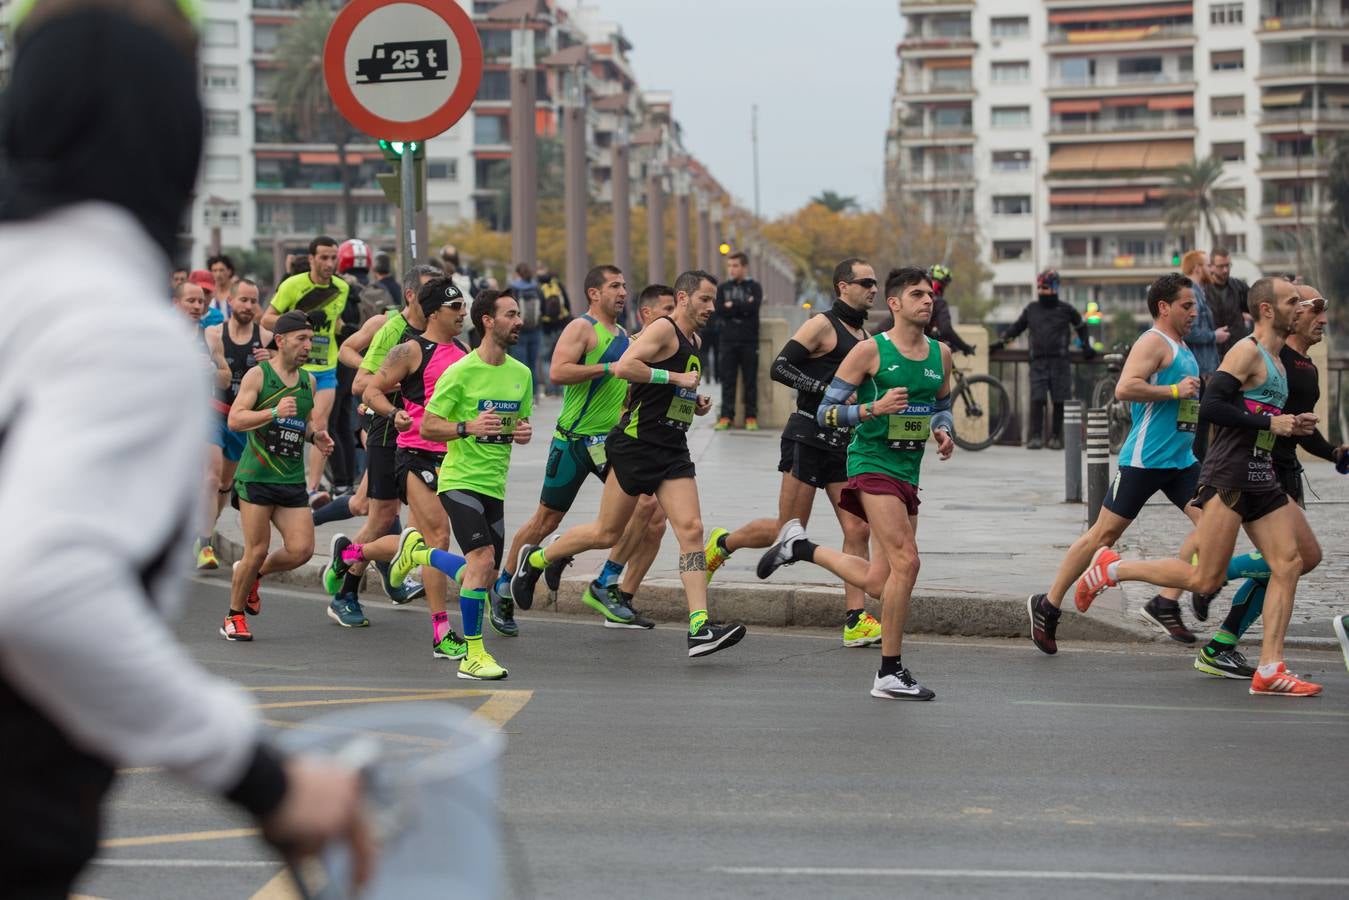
[
  {"x": 801, "y": 426},
  {"x": 661, "y": 414},
  {"x": 1242, "y": 458},
  {"x": 379, "y": 430},
  {"x": 240, "y": 358}
]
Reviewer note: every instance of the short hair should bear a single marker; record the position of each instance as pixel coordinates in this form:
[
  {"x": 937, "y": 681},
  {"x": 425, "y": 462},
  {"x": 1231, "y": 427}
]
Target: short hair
[
  {"x": 176, "y": 269},
  {"x": 1166, "y": 290},
  {"x": 249, "y": 282},
  {"x": 652, "y": 293},
  {"x": 740, "y": 256},
  {"x": 1190, "y": 259},
  {"x": 485, "y": 304},
  {"x": 220, "y": 258},
  {"x": 524, "y": 271},
  {"x": 412, "y": 281},
  {"x": 179, "y": 289},
  {"x": 321, "y": 241},
  {"x": 1219, "y": 251},
  {"x": 690, "y": 281},
  {"x": 843, "y": 271},
  {"x": 903, "y": 277},
  {"x": 596, "y": 277},
  {"x": 383, "y": 265},
  {"x": 1261, "y": 292}
]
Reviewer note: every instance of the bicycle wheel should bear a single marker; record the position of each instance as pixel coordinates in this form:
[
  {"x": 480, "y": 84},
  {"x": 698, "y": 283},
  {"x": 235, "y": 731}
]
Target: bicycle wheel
[
  {"x": 1103, "y": 394},
  {"x": 982, "y": 397},
  {"x": 1120, "y": 421}
]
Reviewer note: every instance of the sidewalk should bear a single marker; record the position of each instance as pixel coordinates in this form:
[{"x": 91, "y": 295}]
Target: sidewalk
[{"x": 992, "y": 530}]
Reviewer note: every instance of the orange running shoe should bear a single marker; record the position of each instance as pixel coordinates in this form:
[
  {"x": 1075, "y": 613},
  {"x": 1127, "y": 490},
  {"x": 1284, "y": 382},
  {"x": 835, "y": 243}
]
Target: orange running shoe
[
  {"x": 1283, "y": 683},
  {"x": 1096, "y": 579},
  {"x": 235, "y": 628}
]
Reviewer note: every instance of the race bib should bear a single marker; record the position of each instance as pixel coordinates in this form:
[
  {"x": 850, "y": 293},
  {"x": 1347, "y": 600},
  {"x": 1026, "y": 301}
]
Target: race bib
[
  {"x": 285, "y": 438},
  {"x": 682, "y": 407},
  {"x": 595, "y": 446},
  {"x": 910, "y": 429},
  {"x": 1264, "y": 443},
  {"x": 509, "y": 413},
  {"x": 1187, "y": 415},
  {"x": 318, "y": 349}
]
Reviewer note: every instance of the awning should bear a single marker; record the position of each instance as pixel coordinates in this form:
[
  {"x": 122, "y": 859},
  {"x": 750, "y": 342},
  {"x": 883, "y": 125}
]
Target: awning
[
  {"x": 1074, "y": 106},
  {"x": 1334, "y": 98},
  {"x": 1111, "y": 35},
  {"x": 1125, "y": 101},
  {"x": 330, "y": 159},
  {"x": 274, "y": 154},
  {"x": 1282, "y": 98},
  {"x": 953, "y": 62},
  {"x": 1122, "y": 156},
  {"x": 1098, "y": 198},
  {"x": 1074, "y": 158},
  {"x": 1118, "y": 14},
  {"x": 1289, "y": 136},
  {"x": 1168, "y": 154},
  {"x": 491, "y": 154},
  {"x": 1180, "y": 101}
]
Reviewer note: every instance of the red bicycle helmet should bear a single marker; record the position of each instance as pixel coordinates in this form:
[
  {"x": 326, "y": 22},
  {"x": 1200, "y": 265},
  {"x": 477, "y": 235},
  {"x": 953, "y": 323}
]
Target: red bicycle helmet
[{"x": 353, "y": 253}]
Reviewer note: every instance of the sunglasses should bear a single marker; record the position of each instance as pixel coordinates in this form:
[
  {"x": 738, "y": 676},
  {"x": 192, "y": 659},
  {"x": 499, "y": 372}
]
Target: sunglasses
[
  {"x": 454, "y": 304},
  {"x": 1317, "y": 304},
  {"x": 864, "y": 282}
]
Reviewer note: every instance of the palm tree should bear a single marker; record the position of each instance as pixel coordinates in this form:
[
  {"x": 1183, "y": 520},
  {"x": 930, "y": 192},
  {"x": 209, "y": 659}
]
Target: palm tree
[
  {"x": 1194, "y": 198},
  {"x": 835, "y": 202},
  {"x": 302, "y": 101}
]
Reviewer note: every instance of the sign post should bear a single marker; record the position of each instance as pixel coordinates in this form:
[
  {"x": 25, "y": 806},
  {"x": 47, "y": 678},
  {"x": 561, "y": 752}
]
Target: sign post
[{"x": 403, "y": 70}]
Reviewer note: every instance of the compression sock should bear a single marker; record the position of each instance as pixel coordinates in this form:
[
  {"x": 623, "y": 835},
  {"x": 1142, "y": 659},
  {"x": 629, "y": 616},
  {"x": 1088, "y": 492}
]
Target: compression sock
[
  {"x": 336, "y": 511},
  {"x": 351, "y": 584},
  {"x": 697, "y": 620},
  {"x": 890, "y": 665},
  {"x": 1248, "y": 565},
  {"x": 471, "y": 602},
  {"x": 353, "y": 554},
  {"x": 440, "y": 625},
  {"x": 451, "y": 564},
  {"x": 397, "y": 526},
  {"x": 803, "y": 550},
  {"x": 1239, "y": 616},
  {"x": 610, "y": 574},
  {"x": 539, "y": 559},
  {"x": 854, "y": 616},
  {"x": 1252, "y": 608},
  {"x": 503, "y": 584}
]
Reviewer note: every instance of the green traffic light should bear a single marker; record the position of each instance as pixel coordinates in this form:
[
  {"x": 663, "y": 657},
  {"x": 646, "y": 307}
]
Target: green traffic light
[{"x": 394, "y": 149}]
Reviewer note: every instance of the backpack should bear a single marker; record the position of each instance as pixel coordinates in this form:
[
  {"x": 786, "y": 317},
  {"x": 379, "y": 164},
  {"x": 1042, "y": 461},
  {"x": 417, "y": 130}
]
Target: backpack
[
  {"x": 531, "y": 305},
  {"x": 555, "y": 311}
]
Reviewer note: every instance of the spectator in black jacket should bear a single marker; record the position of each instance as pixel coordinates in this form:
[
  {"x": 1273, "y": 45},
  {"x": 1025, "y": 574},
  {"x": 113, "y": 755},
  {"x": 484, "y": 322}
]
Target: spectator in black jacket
[
  {"x": 1051, "y": 323},
  {"x": 384, "y": 272},
  {"x": 738, "y": 300},
  {"x": 1226, "y": 297}
]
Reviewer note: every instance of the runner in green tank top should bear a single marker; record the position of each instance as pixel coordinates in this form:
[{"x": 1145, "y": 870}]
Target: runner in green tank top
[
  {"x": 275, "y": 406},
  {"x": 592, "y": 401},
  {"x": 893, "y": 391}
]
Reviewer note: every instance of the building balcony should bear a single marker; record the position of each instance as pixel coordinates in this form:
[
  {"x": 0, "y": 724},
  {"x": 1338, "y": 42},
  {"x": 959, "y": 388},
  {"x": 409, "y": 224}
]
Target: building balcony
[
  {"x": 1309, "y": 166},
  {"x": 1328, "y": 118},
  {"x": 1276, "y": 27},
  {"x": 1303, "y": 69},
  {"x": 932, "y": 91},
  {"x": 1065, "y": 40},
  {"x": 1112, "y": 83},
  {"x": 938, "y": 134},
  {"x": 935, "y": 6},
  {"x": 914, "y": 47},
  {"x": 1172, "y": 125},
  {"x": 1075, "y": 266},
  {"x": 1287, "y": 213},
  {"x": 937, "y": 179},
  {"x": 1108, "y": 216}
]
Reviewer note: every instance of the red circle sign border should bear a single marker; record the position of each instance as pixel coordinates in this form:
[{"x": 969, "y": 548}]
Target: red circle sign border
[{"x": 438, "y": 122}]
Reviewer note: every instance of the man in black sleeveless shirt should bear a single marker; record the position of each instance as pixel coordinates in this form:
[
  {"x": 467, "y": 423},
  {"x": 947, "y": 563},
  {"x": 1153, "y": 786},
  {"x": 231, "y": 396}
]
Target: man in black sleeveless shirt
[{"x": 815, "y": 457}]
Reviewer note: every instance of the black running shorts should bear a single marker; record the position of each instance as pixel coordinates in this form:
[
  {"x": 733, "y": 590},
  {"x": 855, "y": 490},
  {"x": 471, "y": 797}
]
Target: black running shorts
[
  {"x": 813, "y": 465},
  {"x": 1250, "y": 505},
  {"x": 287, "y": 496},
  {"x": 424, "y": 465},
  {"x": 641, "y": 467},
  {"x": 380, "y": 469},
  {"x": 1290, "y": 479},
  {"x": 1134, "y": 486},
  {"x": 476, "y": 520}
]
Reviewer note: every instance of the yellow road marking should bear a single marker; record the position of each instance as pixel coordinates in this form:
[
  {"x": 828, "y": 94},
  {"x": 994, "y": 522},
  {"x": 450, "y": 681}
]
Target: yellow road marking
[
  {"x": 280, "y": 887},
  {"x": 185, "y": 837},
  {"x": 348, "y": 701},
  {"x": 502, "y": 706}
]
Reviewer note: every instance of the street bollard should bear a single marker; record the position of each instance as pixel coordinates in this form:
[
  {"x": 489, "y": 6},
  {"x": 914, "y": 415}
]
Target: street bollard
[
  {"x": 1098, "y": 461},
  {"x": 1072, "y": 451}
]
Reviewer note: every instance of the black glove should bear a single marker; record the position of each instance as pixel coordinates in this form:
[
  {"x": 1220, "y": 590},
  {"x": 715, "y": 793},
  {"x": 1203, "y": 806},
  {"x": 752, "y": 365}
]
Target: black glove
[
  {"x": 996, "y": 345},
  {"x": 1088, "y": 351},
  {"x": 971, "y": 351}
]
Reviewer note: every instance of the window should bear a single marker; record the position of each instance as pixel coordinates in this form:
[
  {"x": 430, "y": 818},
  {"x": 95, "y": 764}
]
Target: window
[
  {"x": 1229, "y": 107},
  {"x": 490, "y": 130},
  {"x": 1011, "y": 205},
  {"x": 1011, "y": 116},
  {"x": 373, "y": 214},
  {"x": 222, "y": 168},
  {"x": 1232, "y": 194},
  {"x": 224, "y": 79},
  {"x": 1234, "y": 242},
  {"x": 951, "y": 79},
  {"x": 220, "y": 33},
  {"x": 1145, "y": 69},
  {"x": 1078, "y": 70},
  {"x": 1234, "y": 151},
  {"x": 222, "y": 123},
  {"x": 1009, "y": 26},
  {"x": 495, "y": 86},
  {"x": 226, "y": 216},
  {"x": 442, "y": 169},
  {"x": 314, "y": 218},
  {"x": 266, "y": 37},
  {"x": 1011, "y": 160},
  {"x": 1010, "y": 251},
  {"x": 1013, "y": 294},
  {"x": 952, "y": 119},
  {"x": 1226, "y": 14},
  {"x": 1228, "y": 60},
  {"x": 1011, "y": 72}
]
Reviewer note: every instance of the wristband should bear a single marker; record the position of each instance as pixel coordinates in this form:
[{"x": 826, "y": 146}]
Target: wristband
[
  {"x": 1175, "y": 392},
  {"x": 660, "y": 376},
  {"x": 606, "y": 368},
  {"x": 871, "y": 409},
  {"x": 275, "y": 415}
]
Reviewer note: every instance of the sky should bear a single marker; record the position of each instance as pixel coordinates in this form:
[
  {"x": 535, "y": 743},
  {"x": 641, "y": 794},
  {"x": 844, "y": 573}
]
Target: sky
[{"x": 821, "y": 72}]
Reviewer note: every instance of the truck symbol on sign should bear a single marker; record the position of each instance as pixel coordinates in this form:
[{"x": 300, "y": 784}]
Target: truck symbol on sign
[{"x": 404, "y": 61}]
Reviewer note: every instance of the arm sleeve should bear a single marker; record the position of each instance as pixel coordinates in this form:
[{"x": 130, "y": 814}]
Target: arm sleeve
[
  {"x": 947, "y": 332},
  {"x": 1317, "y": 445},
  {"x": 1020, "y": 325},
  {"x": 786, "y": 369},
  {"x": 941, "y": 415},
  {"x": 835, "y": 411},
  {"x": 1219, "y": 405}
]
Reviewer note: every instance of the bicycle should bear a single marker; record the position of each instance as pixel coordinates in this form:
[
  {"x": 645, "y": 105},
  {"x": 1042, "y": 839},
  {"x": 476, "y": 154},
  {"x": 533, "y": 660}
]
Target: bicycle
[
  {"x": 996, "y": 409},
  {"x": 1118, "y": 418}
]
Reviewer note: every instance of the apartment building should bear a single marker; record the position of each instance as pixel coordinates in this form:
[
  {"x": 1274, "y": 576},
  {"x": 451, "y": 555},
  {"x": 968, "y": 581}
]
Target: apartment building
[{"x": 1051, "y": 129}]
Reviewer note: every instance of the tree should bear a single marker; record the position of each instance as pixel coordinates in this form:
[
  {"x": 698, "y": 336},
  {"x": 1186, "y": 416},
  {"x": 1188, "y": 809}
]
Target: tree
[
  {"x": 1194, "y": 198},
  {"x": 835, "y": 202},
  {"x": 301, "y": 94},
  {"x": 1334, "y": 261}
]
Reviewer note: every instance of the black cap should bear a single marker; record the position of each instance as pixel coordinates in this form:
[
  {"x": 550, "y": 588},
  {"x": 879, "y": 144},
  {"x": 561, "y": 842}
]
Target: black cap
[
  {"x": 291, "y": 321},
  {"x": 431, "y": 301}
]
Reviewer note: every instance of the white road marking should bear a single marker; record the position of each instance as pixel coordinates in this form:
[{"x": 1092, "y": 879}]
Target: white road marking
[
  {"x": 1037, "y": 875},
  {"x": 187, "y": 863}
]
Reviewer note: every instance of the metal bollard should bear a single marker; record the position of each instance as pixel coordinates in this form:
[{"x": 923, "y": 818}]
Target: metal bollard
[
  {"x": 1098, "y": 461},
  {"x": 1072, "y": 451}
]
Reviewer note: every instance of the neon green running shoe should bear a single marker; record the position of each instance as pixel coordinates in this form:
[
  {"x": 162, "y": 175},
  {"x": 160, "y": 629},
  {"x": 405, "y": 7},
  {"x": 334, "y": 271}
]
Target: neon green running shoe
[
  {"x": 608, "y": 603},
  {"x": 866, "y": 632},
  {"x": 482, "y": 667},
  {"x": 715, "y": 555},
  {"x": 336, "y": 570},
  {"x": 451, "y": 646},
  {"x": 401, "y": 567}
]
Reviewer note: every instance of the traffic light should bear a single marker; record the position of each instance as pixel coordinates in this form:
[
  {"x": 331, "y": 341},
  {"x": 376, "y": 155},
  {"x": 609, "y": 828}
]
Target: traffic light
[
  {"x": 724, "y": 248},
  {"x": 393, "y": 150},
  {"x": 391, "y": 182},
  {"x": 1175, "y": 258},
  {"x": 1093, "y": 319}
]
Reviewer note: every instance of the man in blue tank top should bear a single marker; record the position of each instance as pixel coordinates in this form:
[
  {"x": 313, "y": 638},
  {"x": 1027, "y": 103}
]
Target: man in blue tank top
[{"x": 1161, "y": 382}]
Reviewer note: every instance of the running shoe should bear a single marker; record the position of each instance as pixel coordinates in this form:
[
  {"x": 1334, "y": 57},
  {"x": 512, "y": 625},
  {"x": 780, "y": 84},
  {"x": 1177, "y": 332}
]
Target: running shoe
[
  {"x": 346, "y": 611},
  {"x": 1341, "y": 626},
  {"x": 552, "y": 576},
  {"x": 1283, "y": 683},
  {"x": 714, "y": 636},
  {"x": 780, "y": 554},
  {"x": 606, "y": 602},
  {"x": 638, "y": 621},
  {"x": 1166, "y": 616},
  {"x": 480, "y": 666},
  {"x": 410, "y": 590},
  {"x": 235, "y": 628},
  {"x": 1200, "y": 604},
  {"x": 319, "y": 498},
  {"x": 900, "y": 686},
  {"x": 716, "y": 556},
  {"x": 525, "y": 578},
  {"x": 501, "y": 613},
  {"x": 722, "y": 424},
  {"x": 1096, "y": 579},
  {"x": 402, "y": 566},
  {"x": 1044, "y": 622},
  {"x": 751, "y": 424},
  {"x": 336, "y": 571},
  {"x": 1226, "y": 663},
  {"x": 253, "y": 602},
  {"x": 451, "y": 646},
  {"x": 205, "y": 557},
  {"x": 866, "y": 632}
]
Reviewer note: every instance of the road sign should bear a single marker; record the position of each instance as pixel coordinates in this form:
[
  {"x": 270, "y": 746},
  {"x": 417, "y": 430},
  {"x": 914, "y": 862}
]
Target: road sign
[{"x": 403, "y": 70}]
